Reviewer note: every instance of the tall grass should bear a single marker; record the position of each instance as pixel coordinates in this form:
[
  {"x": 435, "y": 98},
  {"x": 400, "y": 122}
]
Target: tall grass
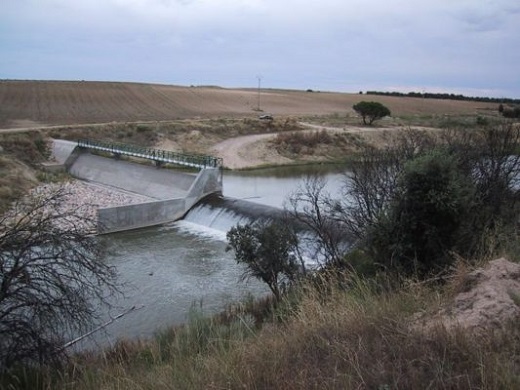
[
  {"x": 363, "y": 339},
  {"x": 360, "y": 337}
]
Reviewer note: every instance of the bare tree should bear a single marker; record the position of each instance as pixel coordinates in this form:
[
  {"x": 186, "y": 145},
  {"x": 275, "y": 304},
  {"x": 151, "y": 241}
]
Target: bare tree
[
  {"x": 52, "y": 278},
  {"x": 372, "y": 181},
  {"x": 324, "y": 236}
]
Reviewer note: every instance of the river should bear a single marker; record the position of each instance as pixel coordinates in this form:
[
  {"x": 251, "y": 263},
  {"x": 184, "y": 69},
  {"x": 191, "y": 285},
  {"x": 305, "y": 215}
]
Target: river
[{"x": 168, "y": 269}]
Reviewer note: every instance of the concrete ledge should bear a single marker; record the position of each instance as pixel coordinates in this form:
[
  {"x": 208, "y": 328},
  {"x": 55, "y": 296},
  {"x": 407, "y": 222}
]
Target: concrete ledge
[
  {"x": 115, "y": 219},
  {"x": 53, "y": 167}
]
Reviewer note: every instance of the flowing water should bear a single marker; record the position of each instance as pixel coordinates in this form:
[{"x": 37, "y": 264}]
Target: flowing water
[{"x": 168, "y": 269}]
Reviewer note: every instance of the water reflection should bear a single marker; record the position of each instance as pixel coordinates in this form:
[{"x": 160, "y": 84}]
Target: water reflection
[{"x": 273, "y": 186}]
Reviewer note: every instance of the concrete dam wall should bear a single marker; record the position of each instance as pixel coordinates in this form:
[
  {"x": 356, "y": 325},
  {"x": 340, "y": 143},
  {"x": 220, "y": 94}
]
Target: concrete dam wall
[{"x": 171, "y": 192}]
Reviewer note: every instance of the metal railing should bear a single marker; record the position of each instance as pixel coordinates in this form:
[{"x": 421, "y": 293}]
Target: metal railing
[{"x": 163, "y": 156}]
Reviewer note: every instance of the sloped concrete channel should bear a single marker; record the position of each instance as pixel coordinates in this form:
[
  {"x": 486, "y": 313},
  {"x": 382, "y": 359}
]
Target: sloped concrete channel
[{"x": 171, "y": 192}]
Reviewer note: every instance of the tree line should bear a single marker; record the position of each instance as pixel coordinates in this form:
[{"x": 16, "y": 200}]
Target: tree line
[{"x": 446, "y": 96}]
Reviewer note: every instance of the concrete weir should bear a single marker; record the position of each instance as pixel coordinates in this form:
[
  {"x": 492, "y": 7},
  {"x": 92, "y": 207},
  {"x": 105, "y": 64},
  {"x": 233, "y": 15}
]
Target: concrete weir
[{"x": 171, "y": 192}]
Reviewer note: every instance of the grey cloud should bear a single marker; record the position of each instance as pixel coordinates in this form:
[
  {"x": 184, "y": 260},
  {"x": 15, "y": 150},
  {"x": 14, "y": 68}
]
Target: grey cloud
[{"x": 326, "y": 44}]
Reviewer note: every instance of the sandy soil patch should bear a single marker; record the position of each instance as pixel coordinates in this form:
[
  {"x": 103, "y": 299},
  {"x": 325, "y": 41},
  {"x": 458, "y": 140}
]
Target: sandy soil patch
[
  {"x": 488, "y": 299},
  {"x": 248, "y": 151}
]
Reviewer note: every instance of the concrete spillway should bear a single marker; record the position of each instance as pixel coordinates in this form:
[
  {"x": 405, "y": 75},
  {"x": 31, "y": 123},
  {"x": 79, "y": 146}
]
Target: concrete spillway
[
  {"x": 171, "y": 193},
  {"x": 141, "y": 179}
]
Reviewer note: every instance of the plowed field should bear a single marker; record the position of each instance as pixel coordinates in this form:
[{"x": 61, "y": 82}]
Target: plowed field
[{"x": 44, "y": 103}]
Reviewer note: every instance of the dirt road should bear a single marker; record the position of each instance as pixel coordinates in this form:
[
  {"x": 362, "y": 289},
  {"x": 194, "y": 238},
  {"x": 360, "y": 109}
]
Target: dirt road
[
  {"x": 248, "y": 151},
  {"x": 254, "y": 150}
]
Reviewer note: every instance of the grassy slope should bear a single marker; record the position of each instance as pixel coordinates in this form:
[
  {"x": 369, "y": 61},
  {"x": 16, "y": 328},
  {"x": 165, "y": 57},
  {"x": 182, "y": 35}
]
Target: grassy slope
[{"x": 345, "y": 340}]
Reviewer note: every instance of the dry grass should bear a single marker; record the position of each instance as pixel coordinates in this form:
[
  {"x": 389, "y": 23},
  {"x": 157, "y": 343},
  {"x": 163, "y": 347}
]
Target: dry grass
[
  {"x": 16, "y": 178},
  {"x": 19, "y": 158},
  {"x": 362, "y": 339},
  {"x": 355, "y": 339},
  {"x": 190, "y": 135},
  {"x": 321, "y": 144}
]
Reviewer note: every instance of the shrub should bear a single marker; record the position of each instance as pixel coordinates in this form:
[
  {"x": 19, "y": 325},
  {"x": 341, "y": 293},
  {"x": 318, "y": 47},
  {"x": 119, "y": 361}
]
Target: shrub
[
  {"x": 298, "y": 142},
  {"x": 267, "y": 249},
  {"x": 511, "y": 112},
  {"x": 409, "y": 205},
  {"x": 426, "y": 221},
  {"x": 31, "y": 148}
]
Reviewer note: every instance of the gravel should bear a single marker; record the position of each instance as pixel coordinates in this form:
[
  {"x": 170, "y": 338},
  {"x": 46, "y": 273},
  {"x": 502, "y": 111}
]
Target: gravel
[{"x": 88, "y": 197}]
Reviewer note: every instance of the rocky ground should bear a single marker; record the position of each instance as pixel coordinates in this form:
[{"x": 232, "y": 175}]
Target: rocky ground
[{"x": 88, "y": 197}]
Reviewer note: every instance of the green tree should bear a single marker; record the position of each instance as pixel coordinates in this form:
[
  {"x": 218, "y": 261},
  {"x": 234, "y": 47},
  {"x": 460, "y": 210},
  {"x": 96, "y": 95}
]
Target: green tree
[
  {"x": 428, "y": 218},
  {"x": 371, "y": 111},
  {"x": 267, "y": 249}
]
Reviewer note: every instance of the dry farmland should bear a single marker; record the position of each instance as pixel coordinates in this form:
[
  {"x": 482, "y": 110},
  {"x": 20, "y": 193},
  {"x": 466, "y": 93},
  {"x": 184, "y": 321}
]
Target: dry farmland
[{"x": 46, "y": 103}]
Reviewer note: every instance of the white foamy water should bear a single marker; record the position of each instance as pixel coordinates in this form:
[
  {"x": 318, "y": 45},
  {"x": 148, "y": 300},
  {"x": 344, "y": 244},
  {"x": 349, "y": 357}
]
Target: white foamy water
[{"x": 192, "y": 228}]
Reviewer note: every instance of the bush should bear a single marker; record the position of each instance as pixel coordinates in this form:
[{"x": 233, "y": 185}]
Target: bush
[
  {"x": 30, "y": 148},
  {"x": 302, "y": 142},
  {"x": 428, "y": 218}
]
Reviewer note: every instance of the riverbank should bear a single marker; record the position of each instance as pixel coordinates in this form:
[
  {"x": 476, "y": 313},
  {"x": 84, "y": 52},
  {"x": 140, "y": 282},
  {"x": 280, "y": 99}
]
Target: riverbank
[{"x": 336, "y": 339}]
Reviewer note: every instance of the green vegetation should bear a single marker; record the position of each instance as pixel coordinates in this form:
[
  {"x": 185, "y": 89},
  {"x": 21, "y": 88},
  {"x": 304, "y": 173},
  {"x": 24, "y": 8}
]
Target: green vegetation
[
  {"x": 371, "y": 111},
  {"x": 414, "y": 203},
  {"x": 449, "y": 96},
  {"x": 428, "y": 218},
  {"x": 408, "y": 209},
  {"x": 267, "y": 250}
]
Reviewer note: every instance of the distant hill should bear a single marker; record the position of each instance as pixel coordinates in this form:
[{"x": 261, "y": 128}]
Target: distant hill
[{"x": 40, "y": 103}]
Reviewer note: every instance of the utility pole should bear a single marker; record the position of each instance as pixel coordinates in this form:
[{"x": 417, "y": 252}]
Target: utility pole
[{"x": 259, "y": 77}]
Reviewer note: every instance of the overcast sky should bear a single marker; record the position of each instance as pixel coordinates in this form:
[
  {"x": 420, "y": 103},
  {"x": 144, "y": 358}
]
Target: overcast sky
[{"x": 461, "y": 46}]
